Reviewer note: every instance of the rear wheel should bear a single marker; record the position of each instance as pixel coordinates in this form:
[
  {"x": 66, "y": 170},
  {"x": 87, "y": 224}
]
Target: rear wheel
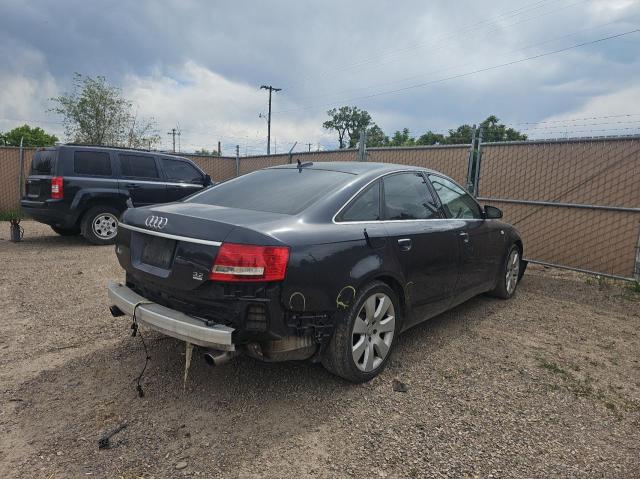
[
  {"x": 509, "y": 275},
  {"x": 100, "y": 225},
  {"x": 362, "y": 342},
  {"x": 66, "y": 231}
]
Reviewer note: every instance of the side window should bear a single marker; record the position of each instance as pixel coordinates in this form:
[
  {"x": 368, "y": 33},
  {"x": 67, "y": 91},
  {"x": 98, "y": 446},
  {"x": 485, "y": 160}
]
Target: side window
[
  {"x": 92, "y": 163},
  {"x": 455, "y": 201},
  {"x": 407, "y": 197},
  {"x": 138, "y": 166},
  {"x": 177, "y": 170},
  {"x": 365, "y": 207}
]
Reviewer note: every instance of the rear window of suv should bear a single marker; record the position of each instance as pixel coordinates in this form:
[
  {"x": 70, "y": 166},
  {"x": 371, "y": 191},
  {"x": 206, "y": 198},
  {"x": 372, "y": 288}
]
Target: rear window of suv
[
  {"x": 283, "y": 190},
  {"x": 43, "y": 162}
]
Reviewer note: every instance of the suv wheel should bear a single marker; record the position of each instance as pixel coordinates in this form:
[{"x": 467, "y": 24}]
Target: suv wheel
[
  {"x": 66, "y": 231},
  {"x": 100, "y": 225},
  {"x": 362, "y": 341}
]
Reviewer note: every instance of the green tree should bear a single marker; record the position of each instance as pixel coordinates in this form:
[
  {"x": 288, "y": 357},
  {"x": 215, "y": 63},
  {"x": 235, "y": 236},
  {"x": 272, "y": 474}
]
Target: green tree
[
  {"x": 376, "y": 137},
  {"x": 461, "y": 135},
  {"x": 431, "y": 138},
  {"x": 494, "y": 131},
  {"x": 96, "y": 113},
  {"x": 402, "y": 138},
  {"x": 32, "y": 137},
  {"x": 205, "y": 152},
  {"x": 348, "y": 121}
]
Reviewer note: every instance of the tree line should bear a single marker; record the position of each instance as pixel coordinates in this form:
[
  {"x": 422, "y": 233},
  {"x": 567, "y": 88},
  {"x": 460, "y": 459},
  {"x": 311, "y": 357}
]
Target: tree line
[{"x": 348, "y": 122}]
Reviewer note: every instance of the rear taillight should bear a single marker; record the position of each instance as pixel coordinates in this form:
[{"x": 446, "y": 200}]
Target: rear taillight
[
  {"x": 57, "y": 188},
  {"x": 241, "y": 262}
]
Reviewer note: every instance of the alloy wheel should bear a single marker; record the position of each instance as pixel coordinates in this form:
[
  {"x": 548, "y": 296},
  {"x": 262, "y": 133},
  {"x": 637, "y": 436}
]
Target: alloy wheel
[
  {"x": 513, "y": 271},
  {"x": 373, "y": 331},
  {"x": 105, "y": 226}
]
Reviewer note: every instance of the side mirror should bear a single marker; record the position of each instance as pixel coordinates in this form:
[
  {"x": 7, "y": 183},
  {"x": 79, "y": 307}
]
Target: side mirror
[
  {"x": 492, "y": 213},
  {"x": 207, "y": 180}
]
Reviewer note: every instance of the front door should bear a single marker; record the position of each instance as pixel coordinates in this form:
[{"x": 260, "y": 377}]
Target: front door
[
  {"x": 478, "y": 239},
  {"x": 182, "y": 178},
  {"x": 423, "y": 241}
]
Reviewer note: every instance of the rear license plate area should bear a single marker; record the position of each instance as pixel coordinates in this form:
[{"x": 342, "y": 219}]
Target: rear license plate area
[
  {"x": 33, "y": 190},
  {"x": 157, "y": 252}
]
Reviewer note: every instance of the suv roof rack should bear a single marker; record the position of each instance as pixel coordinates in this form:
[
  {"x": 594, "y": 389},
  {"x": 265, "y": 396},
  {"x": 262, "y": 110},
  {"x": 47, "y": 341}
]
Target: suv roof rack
[{"x": 105, "y": 146}]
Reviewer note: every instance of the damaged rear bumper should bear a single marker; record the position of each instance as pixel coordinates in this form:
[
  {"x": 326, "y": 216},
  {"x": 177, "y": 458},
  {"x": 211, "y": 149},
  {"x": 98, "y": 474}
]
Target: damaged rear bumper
[{"x": 169, "y": 321}]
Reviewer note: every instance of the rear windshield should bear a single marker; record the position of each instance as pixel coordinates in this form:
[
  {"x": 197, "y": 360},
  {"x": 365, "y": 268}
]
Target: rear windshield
[
  {"x": 44, "y": 162},
  {"x": 284, "y": 190}
]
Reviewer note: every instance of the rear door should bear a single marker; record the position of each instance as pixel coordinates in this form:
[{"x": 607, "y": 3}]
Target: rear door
[
  {"x": 140, "y": 178},
  {"x": 479, "y": 240},
  {"x": 424, "y": 244},
  {"x": 183, "y": 179}
]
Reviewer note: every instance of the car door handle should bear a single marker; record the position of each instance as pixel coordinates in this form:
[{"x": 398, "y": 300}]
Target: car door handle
[
  {"x": 465, "y": 236},
  {"x": 132, "y": 185},
  {"x": 405, "y": 244}
]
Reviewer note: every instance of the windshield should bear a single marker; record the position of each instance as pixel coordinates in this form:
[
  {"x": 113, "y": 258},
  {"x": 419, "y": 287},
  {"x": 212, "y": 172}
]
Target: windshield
[{"x": 283, "y": 190}]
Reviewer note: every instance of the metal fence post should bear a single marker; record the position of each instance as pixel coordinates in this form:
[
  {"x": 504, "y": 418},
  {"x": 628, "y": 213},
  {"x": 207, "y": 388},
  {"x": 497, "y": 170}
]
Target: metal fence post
[
  {"x": 362, "y": 146},
  {"x": 476, "y": 181},
  {"x": 636, "y": 269},
  {"x": 470, "y": 165},
  {"x": 237, "y": 160},
  {"x": 291, "y": 151}
]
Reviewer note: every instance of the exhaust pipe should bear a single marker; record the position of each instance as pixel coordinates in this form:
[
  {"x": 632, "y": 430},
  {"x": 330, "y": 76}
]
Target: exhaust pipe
[{"x": 214, "y": 357}]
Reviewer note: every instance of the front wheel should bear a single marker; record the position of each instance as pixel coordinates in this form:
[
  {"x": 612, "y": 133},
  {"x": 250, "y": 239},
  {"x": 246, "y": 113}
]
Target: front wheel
[
  {"x": 100, "y": 225},
  {"x": 509, "y": 275},
  {"x": 363, "y": 340}
]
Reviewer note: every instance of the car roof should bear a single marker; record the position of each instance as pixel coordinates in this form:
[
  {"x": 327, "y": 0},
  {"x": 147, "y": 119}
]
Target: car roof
[{"x": 355, "y": 167}]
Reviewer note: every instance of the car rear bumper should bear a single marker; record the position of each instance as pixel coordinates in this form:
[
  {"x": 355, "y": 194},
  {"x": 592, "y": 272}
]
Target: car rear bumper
[{"x": 169, "y": 321}]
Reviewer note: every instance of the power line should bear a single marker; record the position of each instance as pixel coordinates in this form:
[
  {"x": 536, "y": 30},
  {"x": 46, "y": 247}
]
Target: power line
[
  {"x": 441, "y": 70},
  {"x": 466, "y": 74},
  {"x": 467, "y": 29}
]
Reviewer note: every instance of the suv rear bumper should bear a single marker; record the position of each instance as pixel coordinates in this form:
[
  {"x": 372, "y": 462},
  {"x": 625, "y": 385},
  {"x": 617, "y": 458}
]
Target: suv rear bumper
[
  {"x": 169, "y": 321},
  {"x": 50, "y": 212}
]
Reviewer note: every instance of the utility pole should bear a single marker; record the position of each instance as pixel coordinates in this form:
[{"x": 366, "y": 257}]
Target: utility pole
[
  {"x": 309, "y": 145},
  {"x": 173, "y": 134},
  {"x": 219, "y": 149},
  {"x": 271, "y": 90}
]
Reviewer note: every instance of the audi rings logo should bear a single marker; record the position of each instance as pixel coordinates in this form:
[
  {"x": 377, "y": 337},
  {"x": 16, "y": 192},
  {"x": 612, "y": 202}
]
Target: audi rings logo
[{"x": 156, "y": 222}]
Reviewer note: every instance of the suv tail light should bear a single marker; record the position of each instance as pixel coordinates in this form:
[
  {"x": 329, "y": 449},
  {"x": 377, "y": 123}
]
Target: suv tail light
[
  {"x": 57, "y": 188},
  {"x": 242, "y": 263}
]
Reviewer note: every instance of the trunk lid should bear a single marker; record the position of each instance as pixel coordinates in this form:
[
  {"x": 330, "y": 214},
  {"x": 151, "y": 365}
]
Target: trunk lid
[{"x": 174, "y": 246}]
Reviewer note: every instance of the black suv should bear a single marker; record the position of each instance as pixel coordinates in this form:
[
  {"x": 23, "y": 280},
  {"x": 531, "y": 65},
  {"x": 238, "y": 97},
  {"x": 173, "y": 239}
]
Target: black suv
[{"x": 83, "y": 189}]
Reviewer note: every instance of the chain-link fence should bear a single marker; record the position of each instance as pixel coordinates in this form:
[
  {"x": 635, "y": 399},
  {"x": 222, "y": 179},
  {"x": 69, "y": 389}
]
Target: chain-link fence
[{"x": 575, "y": 202}]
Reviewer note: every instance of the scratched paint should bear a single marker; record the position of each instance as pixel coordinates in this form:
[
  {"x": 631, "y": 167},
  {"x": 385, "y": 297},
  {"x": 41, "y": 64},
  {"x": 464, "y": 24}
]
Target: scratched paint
[
  {"x": 298, "y": 294},
  {"x": 344, "y": 298}
]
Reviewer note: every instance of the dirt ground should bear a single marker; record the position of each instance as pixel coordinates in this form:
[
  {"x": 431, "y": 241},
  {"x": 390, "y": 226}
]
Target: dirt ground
[{"x": 544, "y": 385}]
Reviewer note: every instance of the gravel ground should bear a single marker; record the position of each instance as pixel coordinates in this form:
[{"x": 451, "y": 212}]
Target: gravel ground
[{"x": 544, "y": 385}]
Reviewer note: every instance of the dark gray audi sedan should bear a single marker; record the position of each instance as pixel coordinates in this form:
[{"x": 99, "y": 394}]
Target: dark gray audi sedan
[{"x": 321, "y": 261}]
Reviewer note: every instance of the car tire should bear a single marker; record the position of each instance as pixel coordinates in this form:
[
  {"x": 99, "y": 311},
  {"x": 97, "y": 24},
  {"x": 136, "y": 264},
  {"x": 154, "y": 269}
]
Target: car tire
[
  {"x": 509, "y": 275},
  {"x": 100, "y": 225},
  {"x": 66, "y": 231},
  {"x": 364, "y": 338}
]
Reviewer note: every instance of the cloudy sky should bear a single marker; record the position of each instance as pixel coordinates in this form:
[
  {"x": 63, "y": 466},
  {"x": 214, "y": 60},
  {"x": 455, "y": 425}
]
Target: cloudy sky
[{"x": 416, "y": 63}]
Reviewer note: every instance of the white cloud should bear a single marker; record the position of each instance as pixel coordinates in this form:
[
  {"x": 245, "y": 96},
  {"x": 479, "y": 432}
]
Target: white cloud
[{"x": 209, "y": 107}]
